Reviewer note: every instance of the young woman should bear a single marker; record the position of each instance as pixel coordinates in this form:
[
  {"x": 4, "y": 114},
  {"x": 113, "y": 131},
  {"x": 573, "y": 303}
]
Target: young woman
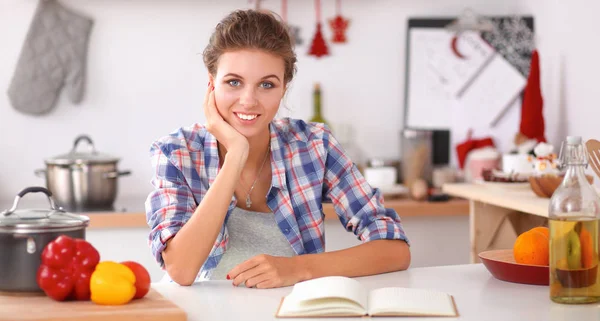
[{"x": 240, "y": 197}]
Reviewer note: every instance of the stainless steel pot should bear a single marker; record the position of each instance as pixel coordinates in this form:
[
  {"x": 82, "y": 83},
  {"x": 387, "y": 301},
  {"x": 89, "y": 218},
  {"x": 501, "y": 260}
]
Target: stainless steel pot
[
  {"x": 82, "y": 180},
  {"x": 23, "y": 235}
]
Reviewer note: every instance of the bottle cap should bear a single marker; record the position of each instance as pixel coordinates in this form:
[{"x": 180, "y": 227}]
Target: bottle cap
[{"x": 573, "y": 140}]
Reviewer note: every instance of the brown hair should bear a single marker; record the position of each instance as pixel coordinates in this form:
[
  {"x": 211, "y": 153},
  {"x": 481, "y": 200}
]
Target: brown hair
[{"x": 251, "y": 29}]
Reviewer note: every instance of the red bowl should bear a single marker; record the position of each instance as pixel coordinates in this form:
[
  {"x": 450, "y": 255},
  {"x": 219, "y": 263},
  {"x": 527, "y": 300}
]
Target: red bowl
[{"x": 502, "y": 265}]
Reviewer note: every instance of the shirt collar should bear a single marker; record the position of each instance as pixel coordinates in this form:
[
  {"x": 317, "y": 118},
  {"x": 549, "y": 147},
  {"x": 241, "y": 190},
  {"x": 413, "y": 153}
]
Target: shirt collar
[
  {"x": 277, "y": 157},
  {"x": 278, "y": 180}
]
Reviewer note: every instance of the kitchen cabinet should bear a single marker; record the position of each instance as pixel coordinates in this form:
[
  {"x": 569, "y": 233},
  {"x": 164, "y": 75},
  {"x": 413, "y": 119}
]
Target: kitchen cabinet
[
  {"x": 498, "y": 215},
  {"x": 438, "y": 232}
]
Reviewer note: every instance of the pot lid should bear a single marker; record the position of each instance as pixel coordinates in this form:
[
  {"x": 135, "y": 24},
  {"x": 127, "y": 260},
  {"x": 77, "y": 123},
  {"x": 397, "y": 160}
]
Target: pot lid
[
  {"x": 15, "y": 220},
  {"x": 79, "y": 157}
]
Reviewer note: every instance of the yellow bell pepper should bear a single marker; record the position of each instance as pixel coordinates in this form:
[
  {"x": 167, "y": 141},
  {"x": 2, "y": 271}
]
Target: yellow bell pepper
[{"x": 112, "y": 283}]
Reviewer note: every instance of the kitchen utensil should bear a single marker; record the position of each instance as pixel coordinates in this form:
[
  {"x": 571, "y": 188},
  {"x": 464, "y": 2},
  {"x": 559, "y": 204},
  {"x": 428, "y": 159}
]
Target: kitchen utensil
[
  {"x": 23, "y": 235},
  {"x": 545, "y": 185},
  {"x": 152, "y": 307},
  {"x": 593, "y": 149},
  {"x": 502, "y": 265},
  {"x": 416, "y": 155},
  {"x": 83, "y": 180}
]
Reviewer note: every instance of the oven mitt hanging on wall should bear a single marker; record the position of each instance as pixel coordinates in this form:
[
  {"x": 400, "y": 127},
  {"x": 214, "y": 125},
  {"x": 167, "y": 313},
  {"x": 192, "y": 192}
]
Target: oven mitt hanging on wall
[{"x": 53, "y": 56}]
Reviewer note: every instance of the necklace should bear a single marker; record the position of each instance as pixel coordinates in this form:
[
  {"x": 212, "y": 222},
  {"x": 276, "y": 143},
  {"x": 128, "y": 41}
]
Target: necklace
[{"x": 248, "y": 200}]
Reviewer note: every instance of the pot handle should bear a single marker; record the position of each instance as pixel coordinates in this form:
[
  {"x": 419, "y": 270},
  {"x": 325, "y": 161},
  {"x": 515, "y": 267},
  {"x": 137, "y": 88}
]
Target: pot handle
[
  {"x": 116, "y": 174},
  {"x": 31, "y": 248},
  {"x": 40, "y": 172},
  {"x": 87, "y": 139},
  {"x": 27, "y": 190}
]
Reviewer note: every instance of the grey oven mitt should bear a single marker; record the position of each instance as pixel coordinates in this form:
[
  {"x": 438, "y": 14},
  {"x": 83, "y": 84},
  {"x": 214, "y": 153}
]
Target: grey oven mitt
[{"x": 53, "y": 55}]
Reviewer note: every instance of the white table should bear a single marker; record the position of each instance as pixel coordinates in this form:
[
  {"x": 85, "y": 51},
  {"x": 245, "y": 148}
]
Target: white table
[{"x": 477, "y": 294}]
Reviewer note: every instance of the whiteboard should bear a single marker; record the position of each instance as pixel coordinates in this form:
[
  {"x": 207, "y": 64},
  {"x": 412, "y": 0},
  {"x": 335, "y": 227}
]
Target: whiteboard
[{"x": 433, "y": 101}]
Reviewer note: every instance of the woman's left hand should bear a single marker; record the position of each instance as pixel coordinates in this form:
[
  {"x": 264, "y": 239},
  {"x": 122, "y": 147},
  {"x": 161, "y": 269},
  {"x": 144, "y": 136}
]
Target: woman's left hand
[{"x": 266, "y": 271}]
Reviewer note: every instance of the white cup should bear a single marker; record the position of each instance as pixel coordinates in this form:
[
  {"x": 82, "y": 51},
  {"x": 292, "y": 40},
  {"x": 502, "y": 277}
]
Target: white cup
[
  {"x": 384, "y": 176},
  {"x": 516, "y": 163}
]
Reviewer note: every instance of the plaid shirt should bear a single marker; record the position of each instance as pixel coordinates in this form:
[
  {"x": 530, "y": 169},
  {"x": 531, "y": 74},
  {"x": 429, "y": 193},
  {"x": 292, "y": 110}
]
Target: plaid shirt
[{"x": 308, "y": 167}]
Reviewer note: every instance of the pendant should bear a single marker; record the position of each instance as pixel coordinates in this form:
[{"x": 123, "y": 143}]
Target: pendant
[{"x": 248, "y": 201}]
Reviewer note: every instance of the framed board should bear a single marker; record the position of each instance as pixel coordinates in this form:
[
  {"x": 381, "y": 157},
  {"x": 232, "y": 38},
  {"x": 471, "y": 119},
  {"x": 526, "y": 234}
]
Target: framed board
[{"x": 430, "y": 103}]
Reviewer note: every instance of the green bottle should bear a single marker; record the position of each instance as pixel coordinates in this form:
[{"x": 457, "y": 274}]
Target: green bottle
[{"x": 317, "y": 116}]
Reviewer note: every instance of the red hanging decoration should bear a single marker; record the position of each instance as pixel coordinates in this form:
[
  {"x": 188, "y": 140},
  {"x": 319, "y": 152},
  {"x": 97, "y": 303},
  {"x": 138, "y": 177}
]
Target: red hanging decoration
[
  {"x": 318, "y": 46},
  {"x": 339, "y": 24}
]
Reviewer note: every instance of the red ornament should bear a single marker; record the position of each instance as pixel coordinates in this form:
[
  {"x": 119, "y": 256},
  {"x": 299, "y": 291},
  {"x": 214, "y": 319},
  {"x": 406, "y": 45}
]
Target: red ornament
[
  {"x": 339, "y": 25},
  {"x": 532, "y": 117},
  {"x": 318, "y": 46},
  {"x": 464, "y": 148}
]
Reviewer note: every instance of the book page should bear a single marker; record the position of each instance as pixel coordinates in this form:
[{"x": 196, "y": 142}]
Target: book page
[
  {"x": 323, "y": 295},
  {"x": 407, "y": 301}
]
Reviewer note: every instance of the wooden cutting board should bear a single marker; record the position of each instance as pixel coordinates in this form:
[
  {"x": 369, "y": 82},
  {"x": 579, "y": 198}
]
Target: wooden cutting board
[{"x": 153, "y": 307}]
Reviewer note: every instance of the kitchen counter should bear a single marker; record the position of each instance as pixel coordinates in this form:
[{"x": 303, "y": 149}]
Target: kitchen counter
[
  {"x": 405, "y": 207},
  {"x": 478, "y": 296},
  {"x": 498, "y": 214},
  {"x": 130, "y": 213}
]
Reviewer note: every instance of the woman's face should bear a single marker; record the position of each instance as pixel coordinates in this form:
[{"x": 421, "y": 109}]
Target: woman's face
[{"x": 248, "y": 89}]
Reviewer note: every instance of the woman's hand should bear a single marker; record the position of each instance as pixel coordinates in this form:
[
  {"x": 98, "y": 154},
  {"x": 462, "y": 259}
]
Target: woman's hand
[
  {"x": 216, "y": 125},
  {"x": 266, "y": 271}
]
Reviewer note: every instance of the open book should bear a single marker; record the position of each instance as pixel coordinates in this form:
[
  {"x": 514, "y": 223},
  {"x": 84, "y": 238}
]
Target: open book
[{"x": 337, "y": 296}]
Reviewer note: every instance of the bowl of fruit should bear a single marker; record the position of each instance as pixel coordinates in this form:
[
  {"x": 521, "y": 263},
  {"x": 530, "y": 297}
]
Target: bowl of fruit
[{"x": 526, "y": 263}]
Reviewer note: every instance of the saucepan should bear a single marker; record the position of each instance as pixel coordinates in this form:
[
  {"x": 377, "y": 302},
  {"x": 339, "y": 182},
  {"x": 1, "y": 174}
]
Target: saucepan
[
  {"x": 24, "y": 233},
  {"x": 83, "y": 180}
]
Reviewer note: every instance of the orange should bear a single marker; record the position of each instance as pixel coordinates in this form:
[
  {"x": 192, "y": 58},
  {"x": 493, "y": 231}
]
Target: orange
[
  {"x": 542, "y": 229},
  {"x": 587, "y": 249},
  {"x": 532, "y": 247}
]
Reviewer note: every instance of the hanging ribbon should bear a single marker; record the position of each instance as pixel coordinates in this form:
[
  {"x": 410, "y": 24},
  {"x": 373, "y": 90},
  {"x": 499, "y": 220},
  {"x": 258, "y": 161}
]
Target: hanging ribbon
[
  {"x": 256, "y": 4},
  {"x": 339, "y": 24},
  {"x": 294, "y": 30},
  {"x": 318, "y": 47}
]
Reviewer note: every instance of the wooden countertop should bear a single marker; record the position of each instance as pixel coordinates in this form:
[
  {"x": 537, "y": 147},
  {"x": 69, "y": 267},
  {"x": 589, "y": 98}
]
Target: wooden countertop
[
  {"x": 520, "y": 199},
  {"x": 130, "y": 213},
  {"x": 404, "y": 207}
]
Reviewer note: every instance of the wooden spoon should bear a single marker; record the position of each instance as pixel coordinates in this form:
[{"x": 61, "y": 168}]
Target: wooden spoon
[{"x": 593, "y": 148}]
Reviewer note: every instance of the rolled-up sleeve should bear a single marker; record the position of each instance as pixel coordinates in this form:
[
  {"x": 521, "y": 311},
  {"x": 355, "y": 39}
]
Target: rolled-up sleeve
[
  {"x": 171, "y": 204},
  {"x": 359, "y": 206}
]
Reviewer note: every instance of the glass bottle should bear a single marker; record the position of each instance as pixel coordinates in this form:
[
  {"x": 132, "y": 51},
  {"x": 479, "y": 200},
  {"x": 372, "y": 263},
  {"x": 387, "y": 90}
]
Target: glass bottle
[
  {"x": 317, "y": 116},
  {"x": 574, "y": 214}
]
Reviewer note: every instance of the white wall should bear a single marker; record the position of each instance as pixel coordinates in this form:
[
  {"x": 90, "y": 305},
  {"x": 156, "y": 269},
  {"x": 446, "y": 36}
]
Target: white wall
[{"x": 146, "y": 76}]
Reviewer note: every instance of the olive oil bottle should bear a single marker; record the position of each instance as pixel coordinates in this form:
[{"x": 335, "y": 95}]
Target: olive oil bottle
[
  {"x": 574, "y": 215},
  {"x": 317, "y": 112}
]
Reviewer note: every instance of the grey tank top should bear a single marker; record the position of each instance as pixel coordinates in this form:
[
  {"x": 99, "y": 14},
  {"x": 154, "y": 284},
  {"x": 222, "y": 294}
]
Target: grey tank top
[{"x": 251, "y": 234}]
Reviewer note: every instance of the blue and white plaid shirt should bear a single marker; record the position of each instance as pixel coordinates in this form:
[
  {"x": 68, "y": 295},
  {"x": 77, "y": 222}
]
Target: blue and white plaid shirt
[{"x": 308, "y": 167}]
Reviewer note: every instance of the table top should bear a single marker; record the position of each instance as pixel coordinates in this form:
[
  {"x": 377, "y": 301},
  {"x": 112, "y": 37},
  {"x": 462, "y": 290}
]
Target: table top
[
  {"x": 478, "y": 296},
  {"x": 519, "y": 198}
]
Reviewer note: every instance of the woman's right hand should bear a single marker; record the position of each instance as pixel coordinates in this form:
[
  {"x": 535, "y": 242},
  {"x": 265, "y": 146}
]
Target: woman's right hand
[{"x": 228, "y": 136}]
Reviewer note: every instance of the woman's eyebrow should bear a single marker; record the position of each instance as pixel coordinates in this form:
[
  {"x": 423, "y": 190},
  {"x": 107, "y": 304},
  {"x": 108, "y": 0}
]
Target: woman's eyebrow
[
  {"x": 271, "y": 76},
  {"x": 233, "y": 75},
  {"x": 240, "y": 77}
]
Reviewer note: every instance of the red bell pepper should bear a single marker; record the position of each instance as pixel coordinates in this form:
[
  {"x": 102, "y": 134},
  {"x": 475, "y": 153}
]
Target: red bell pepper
[{"x": 66, "y": 268}]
